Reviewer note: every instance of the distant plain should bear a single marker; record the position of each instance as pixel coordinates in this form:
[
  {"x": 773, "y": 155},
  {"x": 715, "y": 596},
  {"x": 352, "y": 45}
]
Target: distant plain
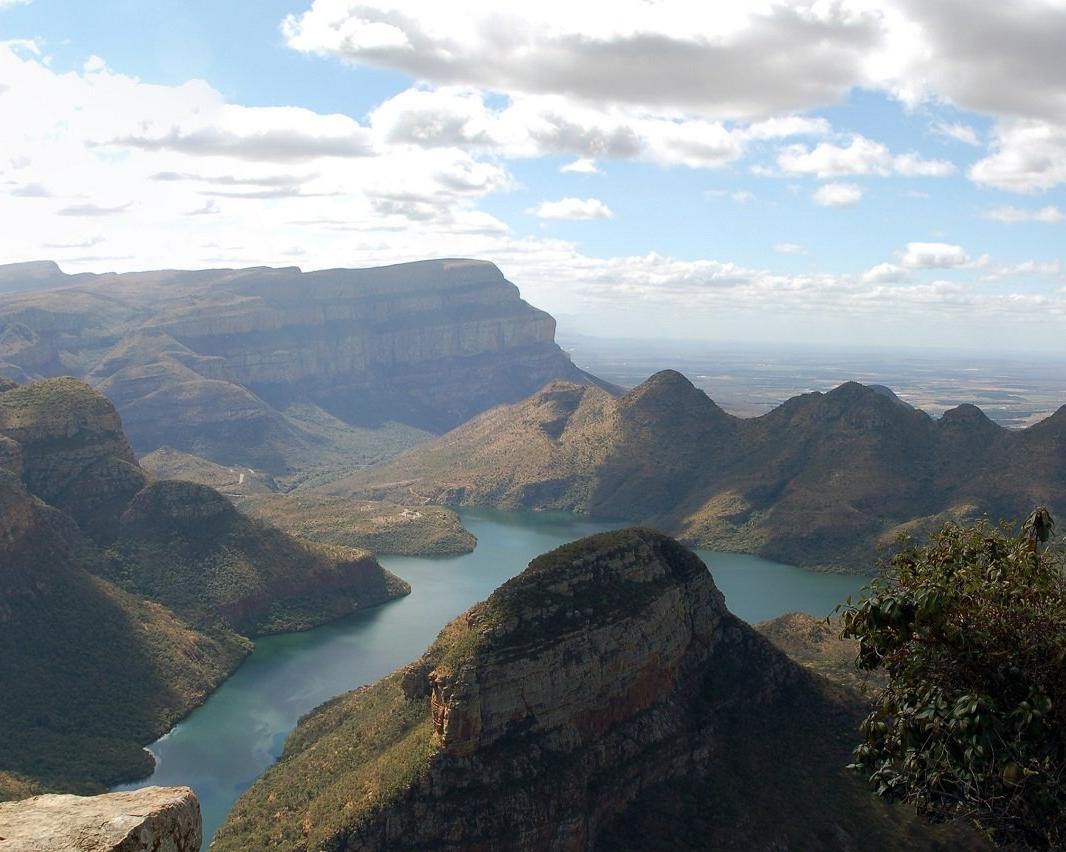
[{"x": 749, "y": 379}]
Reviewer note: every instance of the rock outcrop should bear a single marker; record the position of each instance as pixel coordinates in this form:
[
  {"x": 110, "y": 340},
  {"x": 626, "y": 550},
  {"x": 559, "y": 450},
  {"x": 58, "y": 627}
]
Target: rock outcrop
[
  {"x": 152, "y": 819},
  {"x": 604, "y": 686},
  {"x": 212, "y": 362},
  {"x": 121, "y": 599},
  {"x": 822, "y": 481}
]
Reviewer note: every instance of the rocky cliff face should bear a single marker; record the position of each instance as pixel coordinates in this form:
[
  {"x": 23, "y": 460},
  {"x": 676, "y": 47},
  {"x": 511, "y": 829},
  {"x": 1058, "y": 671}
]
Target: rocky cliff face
[
  {"x": 152, "y": 819},
  {"x": 209, "y": 362},
  {"x": 602, "y": 682}
]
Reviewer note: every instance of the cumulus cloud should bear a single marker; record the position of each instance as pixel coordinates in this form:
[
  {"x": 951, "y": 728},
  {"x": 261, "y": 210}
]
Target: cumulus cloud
[
  {"x": 838, "y": 195},
  {"x": 886, "y": 273},
  {"x": 933, "y": 256},
  {"x": 668, "y": 55},
  {"x": 538, "y": 125},
  {"x": 1009, "y": 213},
  {"x": 1027, "y": 157},
  {"x": 278, "y": 134},
  {"x": 861, "y": 156},
  {"x": 572, "y": 208}
]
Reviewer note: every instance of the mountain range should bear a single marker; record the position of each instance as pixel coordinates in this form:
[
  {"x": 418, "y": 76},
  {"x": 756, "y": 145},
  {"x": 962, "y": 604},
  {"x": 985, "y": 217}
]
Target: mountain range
[
  {"x": 280, "y": 369},
  {"x": 823, "y": 480},
  {"x": 124, "y": 601}
]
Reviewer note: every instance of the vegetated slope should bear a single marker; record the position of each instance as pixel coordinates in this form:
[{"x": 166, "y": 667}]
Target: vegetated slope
[
  {"x": 120, "y": 597},
  {"x": 603, "y": 699},
  {"x": 282, "y": 370},
  {"x": 374, "y": 525},
  {"x": 823, "y": 480},
  {"x": 90, "y": 673}
]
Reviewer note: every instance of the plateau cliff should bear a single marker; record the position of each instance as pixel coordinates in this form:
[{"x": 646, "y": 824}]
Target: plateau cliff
[
  {"x": 121, "y": 598},
  {"x": 280, "y": 369},
  {"x": 823, "y": 480},
  {"x": 603, "y": 699}
]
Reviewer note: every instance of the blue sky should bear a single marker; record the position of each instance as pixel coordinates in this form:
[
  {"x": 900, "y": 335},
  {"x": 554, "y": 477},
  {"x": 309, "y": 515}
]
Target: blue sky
[{"x": 882, "y": 172}]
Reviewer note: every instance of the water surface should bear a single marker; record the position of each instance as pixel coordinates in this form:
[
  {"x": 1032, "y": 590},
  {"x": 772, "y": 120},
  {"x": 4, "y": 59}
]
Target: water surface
[{"x": 223, "y": 746}]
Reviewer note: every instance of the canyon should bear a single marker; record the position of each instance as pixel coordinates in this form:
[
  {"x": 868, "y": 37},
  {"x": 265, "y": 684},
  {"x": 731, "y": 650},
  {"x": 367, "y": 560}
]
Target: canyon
[{"x": 604, "y": 698}]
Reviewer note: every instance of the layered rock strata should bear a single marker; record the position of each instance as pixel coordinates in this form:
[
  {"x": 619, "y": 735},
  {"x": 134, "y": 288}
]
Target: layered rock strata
[{"x": 211, "y": 362}]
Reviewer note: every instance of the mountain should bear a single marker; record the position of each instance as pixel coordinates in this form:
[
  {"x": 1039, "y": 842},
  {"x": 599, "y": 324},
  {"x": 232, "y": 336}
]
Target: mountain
[
  {"x": 823, "y": 480},
  {"x": 605, "y": 698},
  {"x": 123, "y": 600},
  {"x": 279, "y": 369}
]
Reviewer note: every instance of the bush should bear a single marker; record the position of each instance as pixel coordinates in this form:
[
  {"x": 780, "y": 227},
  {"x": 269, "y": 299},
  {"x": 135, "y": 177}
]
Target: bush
[{"x": 971, "y": 631}]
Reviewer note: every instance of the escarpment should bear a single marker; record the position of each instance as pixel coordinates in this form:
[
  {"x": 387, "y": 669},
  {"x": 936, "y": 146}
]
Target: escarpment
[
  {"x": 607, "y": 684},
  {"x": 280, "y": 369},
  {"x": 135, "y": 592}
]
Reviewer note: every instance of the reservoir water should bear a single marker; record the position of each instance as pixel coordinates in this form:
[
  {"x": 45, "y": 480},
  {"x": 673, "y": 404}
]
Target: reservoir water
[{"x": 223, "y": 746}]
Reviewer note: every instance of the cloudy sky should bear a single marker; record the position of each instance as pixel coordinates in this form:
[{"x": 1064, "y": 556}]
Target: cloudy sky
[{"x": 891, "y": 171}]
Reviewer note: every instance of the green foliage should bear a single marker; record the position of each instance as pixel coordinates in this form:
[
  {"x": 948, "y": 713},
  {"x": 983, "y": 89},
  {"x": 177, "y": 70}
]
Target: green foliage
[{"x": 971, "y": 631}]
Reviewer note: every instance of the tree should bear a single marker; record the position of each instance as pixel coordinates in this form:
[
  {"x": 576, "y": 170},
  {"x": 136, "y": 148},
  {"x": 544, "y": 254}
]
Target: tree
[{"x": 971, "y": 631}]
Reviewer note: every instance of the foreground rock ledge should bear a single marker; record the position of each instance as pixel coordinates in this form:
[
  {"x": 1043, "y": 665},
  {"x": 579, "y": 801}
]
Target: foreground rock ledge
[{"x": 159, "y": 819}]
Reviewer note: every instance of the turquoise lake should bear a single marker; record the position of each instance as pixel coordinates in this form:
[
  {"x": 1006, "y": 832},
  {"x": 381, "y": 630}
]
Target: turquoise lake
[{"x": 223, "y": 746}]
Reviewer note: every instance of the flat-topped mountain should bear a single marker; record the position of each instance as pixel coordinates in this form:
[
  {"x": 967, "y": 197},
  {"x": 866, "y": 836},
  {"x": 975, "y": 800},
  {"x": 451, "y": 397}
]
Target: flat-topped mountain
[
  {"x": 822, "y": 480},
  {"x": 605, "y": 698},
  {"x": 280, "y": 369},
  {"x": 123, "y": 600}
]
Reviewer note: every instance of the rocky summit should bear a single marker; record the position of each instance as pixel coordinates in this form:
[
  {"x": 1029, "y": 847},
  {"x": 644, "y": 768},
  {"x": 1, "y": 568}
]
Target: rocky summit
[
  {"x": 823, "y": 480},
  {"x": 280, "y": 369},
  {"x": 152, "y": 819},
  {"x": 603, "y": 699}
]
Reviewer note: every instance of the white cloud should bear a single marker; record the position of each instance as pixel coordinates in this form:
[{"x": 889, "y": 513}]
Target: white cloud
[
  {"x": 789, "y": 248},
  {"x": 838, "y": 195},
  {"x": 749, "y": 60},
  {"x": 581, "y": 166},
  {"x": 886, "y": 273},
  {"x": 536, "y": 125},
  {"x": 861, "y": 156},
  {"x": 572, "y": 208},
  {"x": 956, "y": 130},
  {"x": 4, "y": 4},
  {"x": 1009, "y": 213},
  {"x": 1027, "y": 157},
  {"x": 933, "y": 256}
]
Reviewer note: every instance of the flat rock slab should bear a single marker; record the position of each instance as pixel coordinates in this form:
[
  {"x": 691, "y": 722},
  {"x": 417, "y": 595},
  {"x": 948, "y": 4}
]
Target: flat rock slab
[{"x": 153, "y": 819}]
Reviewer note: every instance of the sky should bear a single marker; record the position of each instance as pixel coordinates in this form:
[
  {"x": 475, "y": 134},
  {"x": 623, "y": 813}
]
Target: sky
[{"x": 887, "y": 172}]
